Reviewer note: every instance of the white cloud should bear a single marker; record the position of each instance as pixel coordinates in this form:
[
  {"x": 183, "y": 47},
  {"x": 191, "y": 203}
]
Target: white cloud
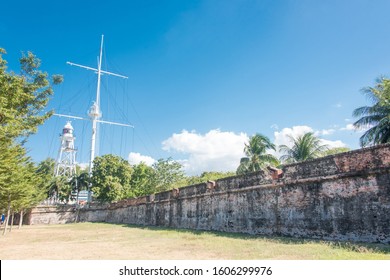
[
  {"x": 351, "y": 127},
  {"x": 348, "y": 127},
  {"x": 214, "y": 151},
  {"x": 327, "y": 131},
  {"x": 338, "y": 105},
  {"x": 333, "y": 144},
  {"x": 137, "y": 158}
]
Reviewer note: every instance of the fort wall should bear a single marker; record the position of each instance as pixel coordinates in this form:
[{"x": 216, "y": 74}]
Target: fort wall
[{"x": 339, "y": 197}]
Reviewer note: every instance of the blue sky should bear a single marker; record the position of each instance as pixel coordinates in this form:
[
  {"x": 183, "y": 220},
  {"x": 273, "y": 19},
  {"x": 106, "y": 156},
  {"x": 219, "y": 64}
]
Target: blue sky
[{"x": 203, "y": 75}]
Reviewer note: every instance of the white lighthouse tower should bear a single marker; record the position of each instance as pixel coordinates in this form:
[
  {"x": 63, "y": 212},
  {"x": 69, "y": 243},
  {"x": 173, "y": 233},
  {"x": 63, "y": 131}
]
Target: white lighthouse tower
[{"x": 66, "y": 161}]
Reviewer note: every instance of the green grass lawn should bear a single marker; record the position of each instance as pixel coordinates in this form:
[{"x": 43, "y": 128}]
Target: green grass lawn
[{"x": 115, "y": 241}]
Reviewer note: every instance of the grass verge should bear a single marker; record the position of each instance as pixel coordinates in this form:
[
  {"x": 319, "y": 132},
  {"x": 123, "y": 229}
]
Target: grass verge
[{"x": 101, "y": 241}]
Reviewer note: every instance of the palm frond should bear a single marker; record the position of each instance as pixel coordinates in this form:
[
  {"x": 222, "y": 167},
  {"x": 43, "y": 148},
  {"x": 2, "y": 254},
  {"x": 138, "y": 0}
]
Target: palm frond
[
  {"x": 304, "y": 147},
  {"x": 376, "y": 117}
]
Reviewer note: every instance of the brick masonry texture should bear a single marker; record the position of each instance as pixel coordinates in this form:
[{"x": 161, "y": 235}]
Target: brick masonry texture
[{"x": 341, "y": 197}]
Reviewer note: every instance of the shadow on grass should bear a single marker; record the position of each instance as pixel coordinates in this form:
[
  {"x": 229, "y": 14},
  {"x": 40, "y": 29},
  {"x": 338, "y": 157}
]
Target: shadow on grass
[{"x": 359, "y": 247}]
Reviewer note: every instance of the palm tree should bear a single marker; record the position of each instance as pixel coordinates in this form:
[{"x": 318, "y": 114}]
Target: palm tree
[
  {"x": 377, "y": 116},
  {"x": 304, "y": 147},
  {"x": 79, "y": 182},
  {"x": 257, "y": 156}
]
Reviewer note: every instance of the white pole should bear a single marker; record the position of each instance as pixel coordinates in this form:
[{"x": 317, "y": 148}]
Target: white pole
[
  {"x": 57, "y": 166},
  {"x": 93, "y": 141},
  {"x": 93, "y": 138},
  {"x": 99, "y": 74},
  {"x": 95, "y": 114}
]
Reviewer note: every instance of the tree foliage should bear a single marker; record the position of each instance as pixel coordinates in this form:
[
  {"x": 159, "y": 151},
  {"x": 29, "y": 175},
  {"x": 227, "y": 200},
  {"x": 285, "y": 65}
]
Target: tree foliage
[
  {"x": 208, "y": 176},
  {"x": 61, "y": 189},
  {"x": 334, "y": 151},
  {"x": 304, "y": 147},
  {"x": 22, "y": 99},
  {"x": 45, "y": 170},
  {"x": 168, "y": 174},
  {"x": 142, "y": 180},
  {"x": 375, "y": 118},
  {"x": 19, "y": 182},
  {"x": 258, "y": 156},
  {"x": 81, "y": 180},
  {"x": 111, "y": 178}
]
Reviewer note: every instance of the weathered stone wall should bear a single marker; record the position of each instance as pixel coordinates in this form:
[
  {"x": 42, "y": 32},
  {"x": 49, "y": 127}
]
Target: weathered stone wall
[
  {"x": 51, "y": 215},
  {"x": 341, "y": 197},
  {"x": 63, "y": 214}
]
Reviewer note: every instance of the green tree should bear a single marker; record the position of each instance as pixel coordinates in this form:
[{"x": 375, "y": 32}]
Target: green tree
[
  {"x": 12, "y": 158},
  {"x": 81, "y": 181},
  {"x": 45, "y": 170},
  {"x": 305, "y": 147},
  {"x": 142, "y": 180},
  {"x": 111, "y": 178},
  {"x": 168, "y": 174},
  {"x": 60, "y": 189},
  {"x": 334, "y": 151},
  {"x": 244, "y": 166},
  {"x": 376, "y": 117},
  {"x": 208, "y": 176},
  {"x": 22, "y": 99},
  {"x": 18, "y": 189},
  {"x": 31, "y": 193},
  {"x": 257, "y": 154}
]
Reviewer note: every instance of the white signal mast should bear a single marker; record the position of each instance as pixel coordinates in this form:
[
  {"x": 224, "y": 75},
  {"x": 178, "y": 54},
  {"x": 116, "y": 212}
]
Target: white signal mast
[{"x": 94, "y": 112}]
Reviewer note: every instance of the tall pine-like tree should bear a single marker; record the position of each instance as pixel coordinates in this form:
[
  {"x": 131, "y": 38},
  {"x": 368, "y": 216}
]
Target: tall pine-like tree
[{"x": 23, "y": 97}]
